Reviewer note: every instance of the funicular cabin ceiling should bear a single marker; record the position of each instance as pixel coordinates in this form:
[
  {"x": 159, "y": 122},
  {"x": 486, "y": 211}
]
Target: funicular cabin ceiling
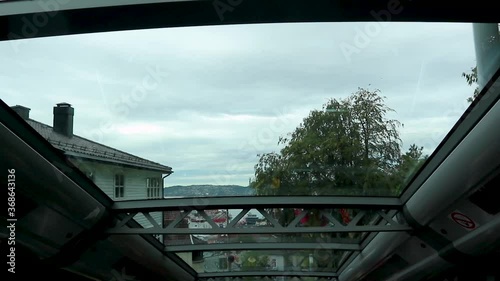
[{"x": 341, "y": 198}]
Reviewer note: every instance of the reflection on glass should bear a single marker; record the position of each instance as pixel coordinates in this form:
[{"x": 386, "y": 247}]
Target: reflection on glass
[
  {"x": 350, "y": 147},
  {"x": 314, "y": 260},
  {"x": 269, "y": 278},
  {"x": 199, "y": 239},
  {"x": 251, "y": 110},
  {"x": 308, "y": 112},
  {"x": 487, "y": 45},
  {"x": 332, "y": 220}
]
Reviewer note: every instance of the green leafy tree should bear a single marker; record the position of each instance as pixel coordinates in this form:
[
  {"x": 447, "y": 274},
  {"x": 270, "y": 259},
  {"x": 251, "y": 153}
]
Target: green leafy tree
[{"x": 348, "y": 147}]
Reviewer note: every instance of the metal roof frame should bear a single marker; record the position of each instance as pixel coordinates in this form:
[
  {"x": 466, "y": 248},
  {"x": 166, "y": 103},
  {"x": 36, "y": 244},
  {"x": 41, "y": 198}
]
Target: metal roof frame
[
  {"x": 388, "y": 212},
  {"x": 195, "y": 13},
  {"x": 392, "y": 210},
  {"x": 243, "y": 202}
]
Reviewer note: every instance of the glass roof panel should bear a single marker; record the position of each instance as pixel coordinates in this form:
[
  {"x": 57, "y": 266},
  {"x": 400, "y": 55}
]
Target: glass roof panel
[
  {"x": 271, "y": 238},
  {"x": 269, "y": 278},
  {"x": 251, "y": 223},
  {"x": 323, "y": 109},
  {"x": 244, "y": 110}
]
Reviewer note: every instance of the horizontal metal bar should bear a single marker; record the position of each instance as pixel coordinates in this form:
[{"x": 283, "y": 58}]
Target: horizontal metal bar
[
  {"x": 256, "y": 202},
  {"x": 267, "y": 273},
  {"x": 261, "y": 230},
  {"x": 263, "y": 246}
]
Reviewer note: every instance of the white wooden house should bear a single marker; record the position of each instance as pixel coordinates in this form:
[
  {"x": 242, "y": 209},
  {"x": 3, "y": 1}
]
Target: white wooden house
[{"x": 121, "y": 175}]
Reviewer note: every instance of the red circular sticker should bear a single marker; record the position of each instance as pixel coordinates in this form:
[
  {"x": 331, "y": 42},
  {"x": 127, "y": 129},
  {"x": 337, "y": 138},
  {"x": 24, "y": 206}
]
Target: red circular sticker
[{"x": 463, "y": 220}]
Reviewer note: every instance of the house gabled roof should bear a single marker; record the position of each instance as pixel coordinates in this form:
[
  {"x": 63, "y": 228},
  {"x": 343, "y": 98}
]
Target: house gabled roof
[{"x": 80, "y": 147}]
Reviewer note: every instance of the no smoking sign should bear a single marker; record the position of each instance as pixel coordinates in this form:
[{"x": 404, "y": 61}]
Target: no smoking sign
[{"x": 463, "y": 220}]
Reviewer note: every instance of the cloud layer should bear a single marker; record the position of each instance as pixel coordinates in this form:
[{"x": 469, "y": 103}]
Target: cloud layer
[{"x": 207, "y": 100}]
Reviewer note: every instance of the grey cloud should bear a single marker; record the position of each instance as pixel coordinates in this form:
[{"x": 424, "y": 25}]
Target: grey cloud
[{"x": 261, "y": 71}]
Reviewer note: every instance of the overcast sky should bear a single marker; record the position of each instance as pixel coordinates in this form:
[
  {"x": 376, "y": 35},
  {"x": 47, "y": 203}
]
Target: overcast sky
[{"x": 207, "y": 100}]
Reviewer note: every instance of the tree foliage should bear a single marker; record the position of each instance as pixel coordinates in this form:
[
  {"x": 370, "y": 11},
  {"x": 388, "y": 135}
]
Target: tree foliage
[
  {"x": 350, "y": 146},
  {"x": 253, "y": 260},
  {"x": 471, "y": 79}
]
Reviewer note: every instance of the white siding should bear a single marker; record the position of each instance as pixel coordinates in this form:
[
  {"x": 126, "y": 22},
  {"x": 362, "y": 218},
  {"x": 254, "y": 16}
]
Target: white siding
[{"x": 135, "y": 184}]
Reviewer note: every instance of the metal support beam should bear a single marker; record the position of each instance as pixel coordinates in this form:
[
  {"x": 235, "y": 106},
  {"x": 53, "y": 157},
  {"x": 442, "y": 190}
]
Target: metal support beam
[
  {"x": 270, "y": 219},
  {"x": 268, "y": 273},
  {"x": 261, "y": 230},
  {"x": 382, "y": 222},
  {"x": 238, "y": 218},
  {"x": 272, "y": 278},
  {"x": 256, "y": 202},
  {"x": 263, "y": 246}
]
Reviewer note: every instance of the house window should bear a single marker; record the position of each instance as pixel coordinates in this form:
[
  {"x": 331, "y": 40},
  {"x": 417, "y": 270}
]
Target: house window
[
  {"x": 153, "y": 187},
  {"x": 119, "y": 186}
]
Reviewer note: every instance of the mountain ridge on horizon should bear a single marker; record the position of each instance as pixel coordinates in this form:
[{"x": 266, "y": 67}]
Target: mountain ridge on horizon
[{"x": 211, "y": 190}]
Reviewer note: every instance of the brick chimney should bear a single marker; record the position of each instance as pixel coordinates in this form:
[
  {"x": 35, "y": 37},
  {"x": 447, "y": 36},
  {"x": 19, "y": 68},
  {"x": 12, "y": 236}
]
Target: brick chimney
[
  {"x": 24, "y": 112},
  {"x": 63, "y": 119}
]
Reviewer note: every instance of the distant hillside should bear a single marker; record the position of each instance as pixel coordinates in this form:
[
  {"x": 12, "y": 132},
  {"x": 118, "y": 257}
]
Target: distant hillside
[{"x": 208, "y": 190}]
